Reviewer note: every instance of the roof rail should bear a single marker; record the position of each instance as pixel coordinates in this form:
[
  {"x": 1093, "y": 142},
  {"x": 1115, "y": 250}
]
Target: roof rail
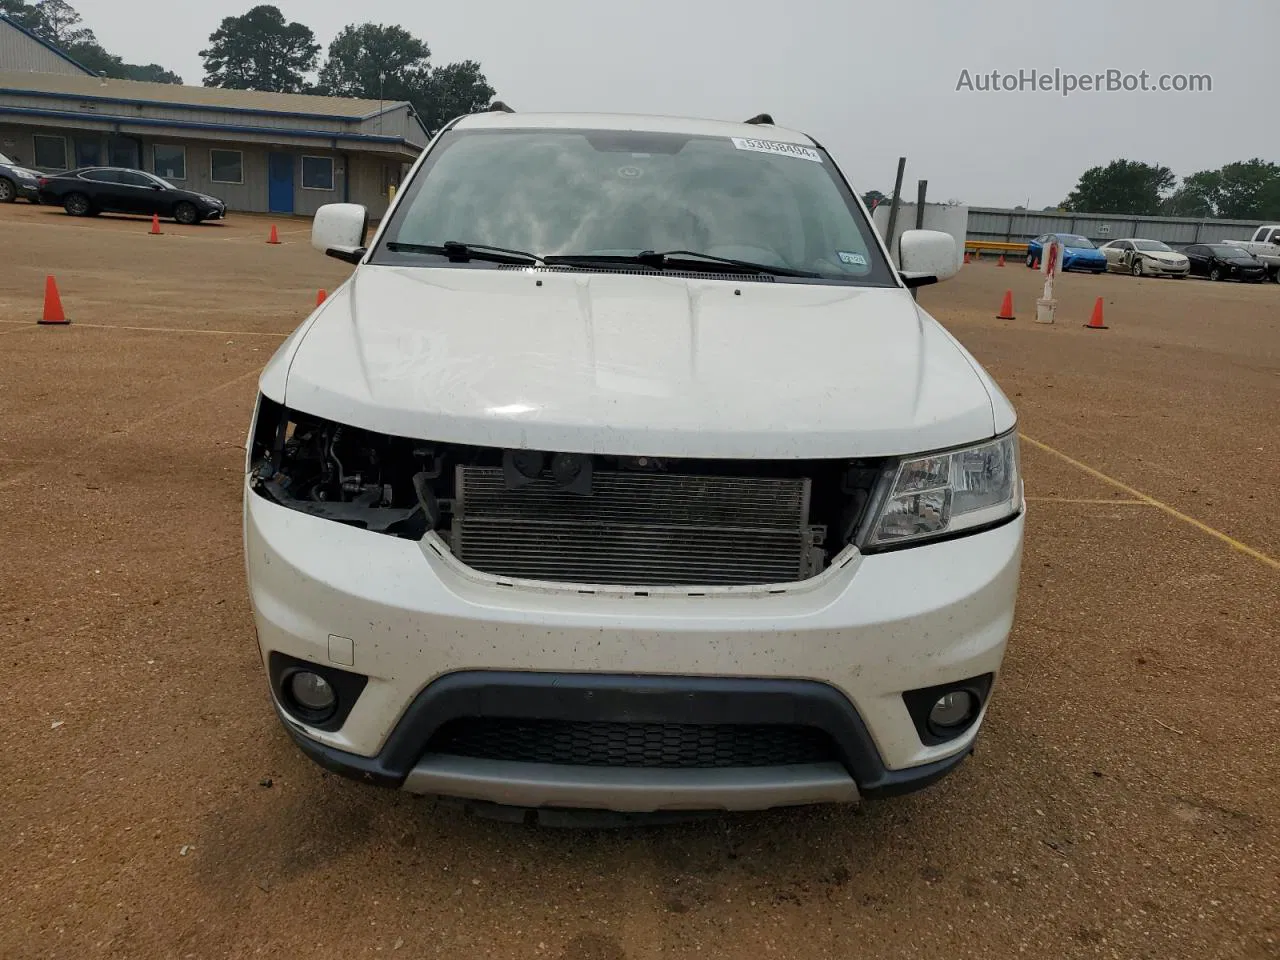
[
  {"x": 762, "y": 118},
  {"x": 499, "y": 107}
]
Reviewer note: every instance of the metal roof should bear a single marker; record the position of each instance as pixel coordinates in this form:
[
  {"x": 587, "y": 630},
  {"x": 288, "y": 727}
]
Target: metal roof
[
  {"x": 45, "y": 43},
  {"x": 646, "y": 124},
  {"x": 65, "y": 86}
]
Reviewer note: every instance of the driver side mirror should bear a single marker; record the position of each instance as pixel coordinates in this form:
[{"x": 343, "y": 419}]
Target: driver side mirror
[
  {"x": 927, "y": 256},
  {"x": 339, "y": 231}
]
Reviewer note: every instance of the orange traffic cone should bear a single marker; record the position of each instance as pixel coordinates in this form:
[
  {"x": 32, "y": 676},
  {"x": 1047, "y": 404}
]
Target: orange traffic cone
[
  {"x": 275, "y": 236},
  {"x": 155, "y": 225},
  {"x": 1095, "y": 322},
  {"x": 1000, "y": 262},
  {"x": 321, "y": 297},
  {"x": 53, "y": 314},
  {"x": 966, "y": 256},
  {"x": 1035, "y": 263},
  {"x": 1006, "y": 308}
]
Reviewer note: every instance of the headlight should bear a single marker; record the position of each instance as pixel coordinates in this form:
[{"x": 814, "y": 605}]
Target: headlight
[{"x": 951, "y": 491}]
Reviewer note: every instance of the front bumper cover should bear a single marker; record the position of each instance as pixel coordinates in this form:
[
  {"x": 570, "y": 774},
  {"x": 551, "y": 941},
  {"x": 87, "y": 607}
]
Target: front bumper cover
[{"x": 406, "y": 762}]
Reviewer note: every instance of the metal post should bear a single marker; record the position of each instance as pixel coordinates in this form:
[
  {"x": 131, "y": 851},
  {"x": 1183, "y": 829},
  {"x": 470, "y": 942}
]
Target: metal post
[
  {"x": 922, "y": 187},
  {"x": 893, "y": 207}
]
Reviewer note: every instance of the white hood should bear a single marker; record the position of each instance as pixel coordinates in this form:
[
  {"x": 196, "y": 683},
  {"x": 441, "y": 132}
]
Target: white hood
[{"x": 624, "y": 364}]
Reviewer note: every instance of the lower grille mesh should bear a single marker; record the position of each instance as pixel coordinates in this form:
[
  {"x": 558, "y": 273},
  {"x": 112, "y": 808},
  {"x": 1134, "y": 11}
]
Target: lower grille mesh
[
  {"x": 636, "y": 529},
  {"x": 609, "y": 744}
]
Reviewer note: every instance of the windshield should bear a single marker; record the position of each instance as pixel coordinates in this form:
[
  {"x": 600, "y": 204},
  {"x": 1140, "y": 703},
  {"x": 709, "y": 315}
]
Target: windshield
[
  {"x": 1222, "y": 250},
  {"x": 5, "y": 159},
  {"x": 1069, "y": 240},
  {"x": 1153, "y": 246},
  {"x": 619, "y": 193},
  {"x": 154, "y": 179}
]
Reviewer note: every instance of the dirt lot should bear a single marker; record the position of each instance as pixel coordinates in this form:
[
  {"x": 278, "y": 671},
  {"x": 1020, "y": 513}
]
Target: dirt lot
[{"x": 1124, "y": 800}]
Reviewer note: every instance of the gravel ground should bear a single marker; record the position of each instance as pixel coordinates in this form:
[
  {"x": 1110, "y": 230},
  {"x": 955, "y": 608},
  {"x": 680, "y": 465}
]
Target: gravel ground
[{"x": 1123, "y": 802}]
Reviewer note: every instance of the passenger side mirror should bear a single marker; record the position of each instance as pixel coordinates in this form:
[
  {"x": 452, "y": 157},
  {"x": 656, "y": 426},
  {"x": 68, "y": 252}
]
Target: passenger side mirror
[
  {"x": 926, "y": 256},
  {"x": 339, "y": 231}
]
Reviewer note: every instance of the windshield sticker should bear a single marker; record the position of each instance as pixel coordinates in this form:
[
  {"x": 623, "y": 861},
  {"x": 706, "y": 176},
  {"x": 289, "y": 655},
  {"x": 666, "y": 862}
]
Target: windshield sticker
[
  {"x": 855, "y": 259},
  {"x": 778, "y": 149}
]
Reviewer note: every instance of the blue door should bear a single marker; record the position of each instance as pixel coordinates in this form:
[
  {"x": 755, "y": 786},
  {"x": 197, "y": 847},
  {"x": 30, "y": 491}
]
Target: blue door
[{"x": 280, "y": 182}]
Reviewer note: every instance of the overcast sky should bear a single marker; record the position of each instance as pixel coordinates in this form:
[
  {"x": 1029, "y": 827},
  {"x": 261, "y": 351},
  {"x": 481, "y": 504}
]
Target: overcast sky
[{"x": 871, "y": 82}]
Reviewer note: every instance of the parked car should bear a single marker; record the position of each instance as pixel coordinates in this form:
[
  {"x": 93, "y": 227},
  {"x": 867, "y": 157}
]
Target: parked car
[
  {"x": 17, "y": 181},
  {"x": 624, "y": 472},
  {"x": 93, "y": 190},
  {"x": 1078, "y": 253},
  {"x": 1265, "y": 245},
  {"x": 1145, "y": 258},
  {"x": 1220, "y": 261}
]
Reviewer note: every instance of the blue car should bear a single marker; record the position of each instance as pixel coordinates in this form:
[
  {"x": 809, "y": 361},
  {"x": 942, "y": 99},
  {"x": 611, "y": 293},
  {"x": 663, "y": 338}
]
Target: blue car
[{"x": 1078, "y": 253}]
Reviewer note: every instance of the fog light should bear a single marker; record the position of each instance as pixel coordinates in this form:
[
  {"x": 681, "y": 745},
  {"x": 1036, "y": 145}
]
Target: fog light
[
  {"x": 954, "y": 709},
  {"x": 312, "y": 692}
]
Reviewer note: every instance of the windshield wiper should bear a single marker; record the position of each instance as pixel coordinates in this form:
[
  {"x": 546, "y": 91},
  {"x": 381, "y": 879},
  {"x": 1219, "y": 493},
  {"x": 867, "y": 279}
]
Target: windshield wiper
[
  {"x": 459, "y": 252},
  {"x": 676, "y": 260}
]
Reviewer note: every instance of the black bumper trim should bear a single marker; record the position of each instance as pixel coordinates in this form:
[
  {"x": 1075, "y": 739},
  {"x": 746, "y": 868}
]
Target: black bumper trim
[{"x": 636, "y": 699}]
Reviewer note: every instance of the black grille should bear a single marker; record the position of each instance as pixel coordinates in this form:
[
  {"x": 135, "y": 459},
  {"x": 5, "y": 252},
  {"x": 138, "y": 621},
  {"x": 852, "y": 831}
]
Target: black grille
[{"x": 608, "y": 744}]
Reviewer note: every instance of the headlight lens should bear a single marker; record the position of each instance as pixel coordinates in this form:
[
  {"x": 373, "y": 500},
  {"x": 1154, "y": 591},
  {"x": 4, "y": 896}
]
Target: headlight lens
[{"x": 948, "y": 492}]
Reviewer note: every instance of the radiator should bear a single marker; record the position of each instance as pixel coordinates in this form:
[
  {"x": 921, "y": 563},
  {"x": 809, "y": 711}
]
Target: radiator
[{"x": 637, "y": 529}]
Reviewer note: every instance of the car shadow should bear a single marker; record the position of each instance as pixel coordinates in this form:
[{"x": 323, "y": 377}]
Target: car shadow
[{"x": 51, "y": 210}]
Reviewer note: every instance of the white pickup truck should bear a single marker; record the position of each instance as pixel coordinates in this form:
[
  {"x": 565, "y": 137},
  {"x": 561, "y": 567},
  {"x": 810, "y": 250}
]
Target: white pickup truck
[{"x": 1265, "y": 245}]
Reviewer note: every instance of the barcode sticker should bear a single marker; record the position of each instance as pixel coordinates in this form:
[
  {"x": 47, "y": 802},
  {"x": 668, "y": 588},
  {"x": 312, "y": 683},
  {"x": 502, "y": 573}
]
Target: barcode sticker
[{"x": 778, "y": 149}]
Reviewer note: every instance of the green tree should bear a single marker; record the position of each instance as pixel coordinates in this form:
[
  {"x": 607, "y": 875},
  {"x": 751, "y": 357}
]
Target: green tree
[
  {"x": 1249, "y": 190},
  {"x": 60, "y": 23},
  {"x": 1197, "y": 196},
  {"x": 1122, "y": 186},
  {"x": 260, "y": 51},
  {"x": 20, "y": 12},
  {"x": 451, "y": 91},
  {"x": 873, "y": 198},
  {"x": 1245, "y": 190},
  {"x": 377, "y": 62},
  {"x": 99, "y": 60}
]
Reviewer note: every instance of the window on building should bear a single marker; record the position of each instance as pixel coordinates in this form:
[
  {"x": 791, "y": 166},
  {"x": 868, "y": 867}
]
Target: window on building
[
  {"x": 51, "y": 152},
  {"x": 124, "y": 152},
  {"x": 88, "y": 151},
  {"x": 226, "y": 166},
  {"x": 317, "y": 173},
  {"x": 170, "y": 161}
]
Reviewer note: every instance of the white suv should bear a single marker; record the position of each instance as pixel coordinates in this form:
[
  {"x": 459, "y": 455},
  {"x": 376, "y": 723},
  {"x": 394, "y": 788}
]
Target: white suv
[{"x": 626, "y": 473}]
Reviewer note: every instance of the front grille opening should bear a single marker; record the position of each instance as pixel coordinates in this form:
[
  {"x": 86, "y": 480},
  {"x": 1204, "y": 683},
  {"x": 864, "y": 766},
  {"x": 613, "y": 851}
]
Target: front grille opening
[
  {"x": 654, "y": 529},
  {"x": 634, "y": 522},
  {"x": 636, "y": 745}
]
